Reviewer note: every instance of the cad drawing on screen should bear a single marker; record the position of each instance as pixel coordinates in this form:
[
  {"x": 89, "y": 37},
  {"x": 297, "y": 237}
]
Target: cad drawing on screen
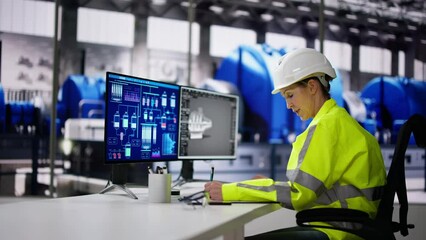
[{"x": 198, "y": 123}]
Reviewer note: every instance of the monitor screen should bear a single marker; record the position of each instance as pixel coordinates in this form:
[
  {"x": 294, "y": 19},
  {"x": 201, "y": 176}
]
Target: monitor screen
[
  {"x": 141, "y": 119},
  {"x": 208, "y": 125}
]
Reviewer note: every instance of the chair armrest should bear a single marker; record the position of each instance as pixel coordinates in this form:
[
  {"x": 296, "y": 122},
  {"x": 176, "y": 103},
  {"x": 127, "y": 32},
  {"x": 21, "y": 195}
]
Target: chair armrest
[
  {"x": 331, "y": 215},
  {"x": 353, "y": 221}
]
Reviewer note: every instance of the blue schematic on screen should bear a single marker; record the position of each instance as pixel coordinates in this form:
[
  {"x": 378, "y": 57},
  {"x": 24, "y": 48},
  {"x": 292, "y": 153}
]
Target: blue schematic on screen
[{"x": 142, "y": 119}]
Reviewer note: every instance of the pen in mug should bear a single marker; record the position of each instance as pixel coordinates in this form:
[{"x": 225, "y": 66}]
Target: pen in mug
[{"x": 212, "y": 174}]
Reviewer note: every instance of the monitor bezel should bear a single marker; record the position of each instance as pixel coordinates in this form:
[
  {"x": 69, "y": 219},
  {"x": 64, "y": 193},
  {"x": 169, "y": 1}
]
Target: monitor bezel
[
  {"x": 105, "y": 122},
  {"x": 215, "y": 157}
]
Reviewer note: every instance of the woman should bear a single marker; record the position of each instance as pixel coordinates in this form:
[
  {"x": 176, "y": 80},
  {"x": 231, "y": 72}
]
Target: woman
[{"x": 334, "y": 162}]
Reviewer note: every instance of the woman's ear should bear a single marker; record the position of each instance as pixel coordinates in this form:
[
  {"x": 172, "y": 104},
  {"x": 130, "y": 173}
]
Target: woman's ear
[{"x": 313, "y": 85}]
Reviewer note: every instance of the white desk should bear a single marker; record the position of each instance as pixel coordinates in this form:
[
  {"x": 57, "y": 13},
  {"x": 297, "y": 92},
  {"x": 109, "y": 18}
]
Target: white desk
[{"x": 114, "y": 215}]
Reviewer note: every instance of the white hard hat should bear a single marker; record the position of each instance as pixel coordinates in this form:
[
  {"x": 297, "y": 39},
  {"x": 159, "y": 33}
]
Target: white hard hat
[{"x": 299, "y": 65}]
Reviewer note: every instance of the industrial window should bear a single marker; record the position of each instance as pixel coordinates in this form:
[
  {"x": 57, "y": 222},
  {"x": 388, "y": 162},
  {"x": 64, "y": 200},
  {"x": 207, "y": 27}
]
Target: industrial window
[
  {"x": 288, "y": 42},
  {"x": 172, "y": 35},
  {"x": 339, "y": 54},
  {"x": 105, "y": 27},
  {"x": 375, "y": 60},
  {"x": 401, "y": 63},
  {"x": 223, "y": 40},
  {"x": 419, "y": 70}
]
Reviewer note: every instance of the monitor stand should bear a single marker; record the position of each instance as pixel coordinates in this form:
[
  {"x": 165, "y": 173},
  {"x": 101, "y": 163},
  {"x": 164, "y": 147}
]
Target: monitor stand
[
  {"x": 187, "y": 173},
  {"x": 119, "y": 179}
]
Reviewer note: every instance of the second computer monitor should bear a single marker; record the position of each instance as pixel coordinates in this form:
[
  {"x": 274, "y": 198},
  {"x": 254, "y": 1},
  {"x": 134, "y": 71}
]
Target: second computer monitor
[{"x": 208, "y": 125}]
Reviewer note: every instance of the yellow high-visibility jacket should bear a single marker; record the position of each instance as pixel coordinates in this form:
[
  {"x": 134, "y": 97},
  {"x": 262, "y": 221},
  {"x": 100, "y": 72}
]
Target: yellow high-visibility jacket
[{"x": 334, "y": 163}]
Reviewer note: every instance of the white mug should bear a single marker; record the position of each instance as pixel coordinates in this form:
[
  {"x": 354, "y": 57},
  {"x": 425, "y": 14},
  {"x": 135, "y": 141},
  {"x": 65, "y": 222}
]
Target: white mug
[{"x": 159, "y": 187}]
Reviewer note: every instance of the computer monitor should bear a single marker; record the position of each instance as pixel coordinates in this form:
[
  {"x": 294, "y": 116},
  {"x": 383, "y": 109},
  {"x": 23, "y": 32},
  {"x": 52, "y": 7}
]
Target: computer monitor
[
  {"x": 141, "y": 123},
  {"x": 208, "y": 127}
]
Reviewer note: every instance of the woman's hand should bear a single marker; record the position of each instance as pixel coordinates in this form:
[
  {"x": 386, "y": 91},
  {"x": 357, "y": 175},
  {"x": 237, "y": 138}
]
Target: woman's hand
[
  {"x": 215, "y": 190},
  {"x": 258, "y": 176}
]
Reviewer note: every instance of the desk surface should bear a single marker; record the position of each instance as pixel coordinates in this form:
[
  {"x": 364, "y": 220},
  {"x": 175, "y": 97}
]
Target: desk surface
[{"x": 114, "y": 215}]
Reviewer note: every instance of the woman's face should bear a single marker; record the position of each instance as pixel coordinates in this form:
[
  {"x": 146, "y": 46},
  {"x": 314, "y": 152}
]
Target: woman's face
[{"x": 300, "y": 100}]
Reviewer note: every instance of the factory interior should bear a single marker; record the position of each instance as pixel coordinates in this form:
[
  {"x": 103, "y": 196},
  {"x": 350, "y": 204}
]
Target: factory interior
[{"x": 54, "y": 56}]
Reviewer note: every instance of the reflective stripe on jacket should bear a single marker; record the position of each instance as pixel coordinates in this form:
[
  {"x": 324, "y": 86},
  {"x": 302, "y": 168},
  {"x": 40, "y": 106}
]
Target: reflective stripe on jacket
[{"x": 334, "y": 163}]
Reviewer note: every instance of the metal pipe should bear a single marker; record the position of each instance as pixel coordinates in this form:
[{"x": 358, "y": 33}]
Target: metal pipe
[
  {"x": 52, "y": 142},
  {"x": 190, "y": 20},
  {"x": 321, "y": 26}
]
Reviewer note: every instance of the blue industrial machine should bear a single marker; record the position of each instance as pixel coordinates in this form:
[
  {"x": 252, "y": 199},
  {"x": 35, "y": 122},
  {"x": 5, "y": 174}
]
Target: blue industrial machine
[
  {"x": 20, "y": 114},
  {"x": 2, "y": 111},
  {"x": 249, "y": 68},
  {"x": 16, "y": 116},
  {"x": 81, "y": 97},
  {"x": 390, "y": 101}
]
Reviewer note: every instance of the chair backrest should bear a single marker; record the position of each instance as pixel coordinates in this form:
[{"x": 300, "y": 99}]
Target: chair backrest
[{"x": 416, "y": 124}]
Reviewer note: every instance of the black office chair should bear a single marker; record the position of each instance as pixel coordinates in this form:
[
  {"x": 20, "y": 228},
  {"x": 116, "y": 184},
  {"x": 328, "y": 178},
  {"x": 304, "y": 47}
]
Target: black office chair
[{"x": 382, "y": 227}]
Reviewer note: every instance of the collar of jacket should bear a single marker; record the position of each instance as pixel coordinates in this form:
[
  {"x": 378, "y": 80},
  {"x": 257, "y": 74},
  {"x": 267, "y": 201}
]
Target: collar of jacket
[{"x": 329, "y": 104}]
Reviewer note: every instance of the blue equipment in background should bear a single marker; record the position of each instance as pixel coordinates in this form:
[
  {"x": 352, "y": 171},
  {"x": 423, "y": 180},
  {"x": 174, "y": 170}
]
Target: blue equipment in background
[
  {"x": 22, "y": 117},
  {"x": 2, "y": 111},
  {"x": 392, "y": 100},
  {"x": 250, "y": 69},
  {"x": 81, "y": 97},
  {"x": 17, "y": 116},
  {"x": 22, "y": 112}
]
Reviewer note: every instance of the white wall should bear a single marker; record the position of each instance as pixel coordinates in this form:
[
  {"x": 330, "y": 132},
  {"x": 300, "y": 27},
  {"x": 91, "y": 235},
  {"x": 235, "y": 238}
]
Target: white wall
[{"x": 27, "y": 62}]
